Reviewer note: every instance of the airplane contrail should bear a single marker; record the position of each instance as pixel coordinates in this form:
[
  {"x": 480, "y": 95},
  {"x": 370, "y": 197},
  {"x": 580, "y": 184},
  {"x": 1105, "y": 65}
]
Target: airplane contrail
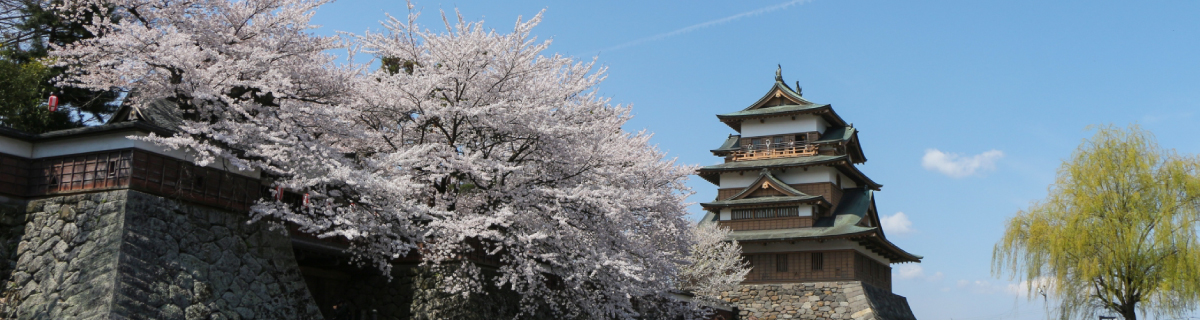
[{"x": 706, "y": 24}]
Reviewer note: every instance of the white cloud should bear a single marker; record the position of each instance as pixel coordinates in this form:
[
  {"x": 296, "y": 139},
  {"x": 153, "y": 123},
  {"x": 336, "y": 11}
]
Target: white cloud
[
  {"x": 979, "y": 286},
  {"x": 1040, "y": 284},
  {"x": 910, "y": 271},
  {"x": 897, "y": 224},
  {"x": 915, "y": 271},
  {"x": 959, "y": 166},
  {"x": 1017, "y": 289},
  {"x": 937, "y": 276}
]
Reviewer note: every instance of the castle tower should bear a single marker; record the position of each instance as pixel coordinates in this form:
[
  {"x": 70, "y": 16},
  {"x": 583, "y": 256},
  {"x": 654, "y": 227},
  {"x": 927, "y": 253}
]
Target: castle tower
[{"x": 804, "y": 214}]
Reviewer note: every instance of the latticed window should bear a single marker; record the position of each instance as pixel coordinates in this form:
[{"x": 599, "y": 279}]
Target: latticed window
[
  {"x": 818, "y": 261},
  {"x": 781, "y": 263},
  {"x": 773, "y": 212}
]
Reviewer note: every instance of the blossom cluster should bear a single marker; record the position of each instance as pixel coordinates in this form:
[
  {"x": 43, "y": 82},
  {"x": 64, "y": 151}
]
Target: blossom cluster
[{"x": 465, "y": 141}]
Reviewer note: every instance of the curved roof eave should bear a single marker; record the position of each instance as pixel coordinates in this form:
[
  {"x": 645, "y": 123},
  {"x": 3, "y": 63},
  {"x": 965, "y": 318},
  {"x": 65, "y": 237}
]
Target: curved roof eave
[
  {"x": 819, "y": 200},
  {"x": 734, "y": 120},
  {"x": 862, "y": 177},
  {"x": 771, "y": 163},
  {"x": 902, "y": 256}
]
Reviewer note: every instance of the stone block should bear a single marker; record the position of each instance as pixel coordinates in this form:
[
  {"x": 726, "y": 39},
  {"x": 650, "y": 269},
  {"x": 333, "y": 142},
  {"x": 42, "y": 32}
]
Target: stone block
[{"x": 168, "y": 262}]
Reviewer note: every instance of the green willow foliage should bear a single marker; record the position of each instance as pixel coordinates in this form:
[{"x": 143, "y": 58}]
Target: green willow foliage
[{"x": 1117, "y": 232}]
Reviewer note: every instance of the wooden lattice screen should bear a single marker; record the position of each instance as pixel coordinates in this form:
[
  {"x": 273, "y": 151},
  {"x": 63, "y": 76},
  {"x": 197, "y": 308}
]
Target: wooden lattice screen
[
  {"x": 129, "y": 168},
  {"x": 80, "y": 172}
]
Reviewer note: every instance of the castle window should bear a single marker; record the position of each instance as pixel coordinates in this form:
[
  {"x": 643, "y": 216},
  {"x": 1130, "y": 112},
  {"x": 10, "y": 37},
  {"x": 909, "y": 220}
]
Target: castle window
[
  {"x": 802, "y": 137},
  {"x": 756, "y": 141},
  {"x": 839, "y": 181},
  {"x": 758, "y": 213},
  {"x": 778, "y": 140},
  {"x": 781, "y": 263},
  {"x": 818, "y": 261}
]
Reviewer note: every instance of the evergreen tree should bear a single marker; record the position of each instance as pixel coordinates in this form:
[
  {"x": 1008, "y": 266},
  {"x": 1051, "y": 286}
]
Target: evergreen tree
[
  {"x": 22, "y": 98},
  {"x": 31, "y": 29}
]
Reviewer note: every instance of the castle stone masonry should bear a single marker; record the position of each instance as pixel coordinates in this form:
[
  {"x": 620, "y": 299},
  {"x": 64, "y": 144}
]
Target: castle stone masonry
[
  {"x": 791, "y": 193},
  {"x": 94, "y": 225}
]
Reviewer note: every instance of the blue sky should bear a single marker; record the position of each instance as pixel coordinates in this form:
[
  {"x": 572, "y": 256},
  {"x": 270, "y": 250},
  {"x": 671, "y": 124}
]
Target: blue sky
[{"x": 1003, "y": 91}]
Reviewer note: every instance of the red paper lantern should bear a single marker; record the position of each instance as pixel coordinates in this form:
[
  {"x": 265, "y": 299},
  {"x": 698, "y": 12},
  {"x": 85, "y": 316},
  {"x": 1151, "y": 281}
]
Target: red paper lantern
[
  {"x": 53, "y": 103},
  {"x": 306, "y": 199},
  {"x": 278, "y": 193}
]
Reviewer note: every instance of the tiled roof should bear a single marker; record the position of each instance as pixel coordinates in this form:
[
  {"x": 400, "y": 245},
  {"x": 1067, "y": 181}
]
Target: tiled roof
[
  {"x": 771, "y": 110},
  {"x": 844, "y": 223},
  {"x": 837, "y": 134},
  {"x": 733, "y": 143},
  {"x": 761, "y": 200}
]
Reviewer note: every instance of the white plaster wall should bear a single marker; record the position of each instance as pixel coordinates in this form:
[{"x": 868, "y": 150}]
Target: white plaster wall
[
  {"x": 812, "y": 175},
  {"x": 806, "y": 210},
  {"x": 120, "y": 140},
  {"x": 738, "y": 179},
  {"x": 791, "y": 176},
  {"x": 847, "y": 182},
  {"x": 838, "y": 244},
  {"x": 783, "y": 125},
  {"x": 16, "y": 147},
  {"x": 91, "y": 143},
  {"x": 726, "y": 214}
]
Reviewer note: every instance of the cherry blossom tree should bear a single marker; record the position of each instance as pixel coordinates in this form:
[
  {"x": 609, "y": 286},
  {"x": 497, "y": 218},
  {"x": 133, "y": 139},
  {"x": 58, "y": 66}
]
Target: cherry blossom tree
[
  {"x": 495, "y": 147},
  {"x": 713, "y": 263},
  {"x": 466, "y": 142}
]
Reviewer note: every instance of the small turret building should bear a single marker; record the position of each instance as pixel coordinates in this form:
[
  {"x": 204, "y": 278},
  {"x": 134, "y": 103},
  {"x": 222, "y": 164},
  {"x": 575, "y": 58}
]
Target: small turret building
[{"x": 791, "y": 193}]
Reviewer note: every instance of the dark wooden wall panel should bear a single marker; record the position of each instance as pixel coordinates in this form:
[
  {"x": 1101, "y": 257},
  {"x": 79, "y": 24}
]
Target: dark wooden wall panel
[
  {"x": 128, "y": 168},
  {"x": 14, "y": 175}
]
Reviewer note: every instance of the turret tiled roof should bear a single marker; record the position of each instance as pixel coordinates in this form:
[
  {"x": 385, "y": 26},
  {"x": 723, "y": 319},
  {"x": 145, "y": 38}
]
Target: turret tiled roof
[
  {"x": 844, "y": 223},
  {"x": 762, "y": 200},
  {"x": 841, "y": 162},
  {"x": 773, "y": 110}
]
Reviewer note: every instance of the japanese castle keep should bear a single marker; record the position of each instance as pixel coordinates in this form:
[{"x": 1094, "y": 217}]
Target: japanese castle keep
[{"x": 803, "y": 213}]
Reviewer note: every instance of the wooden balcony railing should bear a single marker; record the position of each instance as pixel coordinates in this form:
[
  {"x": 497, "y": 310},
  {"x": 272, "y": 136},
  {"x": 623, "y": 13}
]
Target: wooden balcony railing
[{"x": 772, "y": 151}]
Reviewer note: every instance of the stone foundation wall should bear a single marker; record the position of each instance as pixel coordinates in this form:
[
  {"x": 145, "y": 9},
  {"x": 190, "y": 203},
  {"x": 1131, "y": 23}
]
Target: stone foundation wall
[
  {"x": 817, "y": 300},
  {"x": 130, "y": 255},
  {"x": 67, "y": 258},
  {"x": 12, "y": 227}
]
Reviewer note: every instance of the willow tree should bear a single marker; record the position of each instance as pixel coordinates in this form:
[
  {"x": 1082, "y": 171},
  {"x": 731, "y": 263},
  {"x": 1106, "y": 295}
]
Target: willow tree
[{"x": 1117, "y": 232}]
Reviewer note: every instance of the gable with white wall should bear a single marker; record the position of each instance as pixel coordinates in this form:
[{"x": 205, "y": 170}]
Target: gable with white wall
[{"x": 783, "y": 125}]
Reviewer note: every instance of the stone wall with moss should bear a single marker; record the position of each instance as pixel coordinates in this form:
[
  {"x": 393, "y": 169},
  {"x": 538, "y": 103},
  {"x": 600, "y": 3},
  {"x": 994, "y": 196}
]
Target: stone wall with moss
[{"x": 127, "y": 254}]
